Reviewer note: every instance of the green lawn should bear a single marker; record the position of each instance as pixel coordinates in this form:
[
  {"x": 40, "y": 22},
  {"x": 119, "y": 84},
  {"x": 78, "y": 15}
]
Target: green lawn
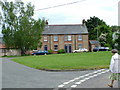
[{"x": 91, "y": 60}]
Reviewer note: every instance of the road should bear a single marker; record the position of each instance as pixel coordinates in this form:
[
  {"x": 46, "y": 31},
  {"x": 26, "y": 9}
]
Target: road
[{"x": 15, "y": 75}]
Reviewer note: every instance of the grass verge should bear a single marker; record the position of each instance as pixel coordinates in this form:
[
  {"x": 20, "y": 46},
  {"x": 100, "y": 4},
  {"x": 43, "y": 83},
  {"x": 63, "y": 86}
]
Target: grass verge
[{"x": 91, "y": 60}]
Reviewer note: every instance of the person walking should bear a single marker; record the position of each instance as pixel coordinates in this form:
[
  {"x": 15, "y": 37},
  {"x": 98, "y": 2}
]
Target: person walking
[{"x": 114, "y": 67}]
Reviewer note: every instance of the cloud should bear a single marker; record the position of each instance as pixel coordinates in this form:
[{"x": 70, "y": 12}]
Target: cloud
[
  {"x": 104, "y": 9},
  {"x": 74, "y": 13}
]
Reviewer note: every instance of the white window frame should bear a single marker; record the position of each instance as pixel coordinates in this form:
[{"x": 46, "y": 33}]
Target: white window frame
[
  {"x": 80, "y": 46},
  {"x": 79, "y": 37},
  {"x": 45, "y": 38},
  {"x": 55, "y": 48},
  {"x": 65, "y": 38},
  {"x": 69, "y": 38},
  {"x": 55, "y": 38}
]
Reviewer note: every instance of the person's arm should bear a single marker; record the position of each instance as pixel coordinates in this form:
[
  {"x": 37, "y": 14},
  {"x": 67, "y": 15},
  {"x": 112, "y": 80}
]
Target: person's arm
[{"x": 112, "y": 64}]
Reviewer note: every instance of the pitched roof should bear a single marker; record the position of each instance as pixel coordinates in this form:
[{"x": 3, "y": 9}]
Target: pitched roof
[
  {"x": 65, "y": 29},
  {"x": 94, "y": 42}
]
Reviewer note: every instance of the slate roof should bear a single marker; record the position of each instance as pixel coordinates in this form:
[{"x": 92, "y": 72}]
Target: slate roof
[
  {"x": 94, "y": 42},
  {"x": 65, "y": 29}
]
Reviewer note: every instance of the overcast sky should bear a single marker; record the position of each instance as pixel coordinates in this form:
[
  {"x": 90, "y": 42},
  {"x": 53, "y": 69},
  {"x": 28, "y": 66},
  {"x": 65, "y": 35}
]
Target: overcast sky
[{"x": 75, "y": 13}]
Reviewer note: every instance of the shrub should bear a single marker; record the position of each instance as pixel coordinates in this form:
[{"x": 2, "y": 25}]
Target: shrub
[
  {"x": 106, "y": 45},
  {"x": 61, "y": 51},
  {"x": 50, "y": 51}
]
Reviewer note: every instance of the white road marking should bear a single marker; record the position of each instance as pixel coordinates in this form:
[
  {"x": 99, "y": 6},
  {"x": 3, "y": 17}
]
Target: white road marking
[
  {"x": 73, "y": 86},
  {"x": 94, "y": 74},
  {"x": 66, "y": 82},
  {"x": 61, "y": 86},
  {"x": 87, "y": 78},
  {"x": 91, "y": 76},
  {"x": 72, "y": 80},
  {"x": 78, "y": 82}
]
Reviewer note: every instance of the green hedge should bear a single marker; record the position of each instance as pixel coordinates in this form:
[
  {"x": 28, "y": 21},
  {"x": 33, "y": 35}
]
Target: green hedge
[
  {"x": 50, "y": 51},
  {"x": 61, "y": 51}
]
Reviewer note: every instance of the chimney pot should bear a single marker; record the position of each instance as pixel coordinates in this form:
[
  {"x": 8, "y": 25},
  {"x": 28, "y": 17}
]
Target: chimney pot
[{"x": 46, "y": 22}]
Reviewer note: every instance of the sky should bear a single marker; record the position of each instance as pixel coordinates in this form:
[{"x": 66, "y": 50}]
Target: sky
[{"x": 107, "y": 10}]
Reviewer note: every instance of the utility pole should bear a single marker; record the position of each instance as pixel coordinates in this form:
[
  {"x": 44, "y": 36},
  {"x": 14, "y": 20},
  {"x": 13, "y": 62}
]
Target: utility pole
[{"x": 97, "y": 29}]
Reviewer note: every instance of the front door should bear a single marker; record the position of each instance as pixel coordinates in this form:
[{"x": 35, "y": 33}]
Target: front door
[
  {"x": 45, "y": 47},
  {"x": 68, "y": 48}
]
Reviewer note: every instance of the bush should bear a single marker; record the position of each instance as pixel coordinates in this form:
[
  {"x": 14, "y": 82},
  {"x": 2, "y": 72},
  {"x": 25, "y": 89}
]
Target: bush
[
  {"x": 106, "y": 45},
  {"x": 61, "y": 51},
  {"x": 50, "y": 51}
]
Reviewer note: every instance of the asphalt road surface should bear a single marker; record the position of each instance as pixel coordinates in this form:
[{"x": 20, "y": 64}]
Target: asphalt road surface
[{"x": 15, "y": 75}]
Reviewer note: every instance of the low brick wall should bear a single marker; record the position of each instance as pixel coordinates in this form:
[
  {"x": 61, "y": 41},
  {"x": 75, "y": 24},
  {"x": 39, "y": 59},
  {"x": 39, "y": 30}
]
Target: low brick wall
[{"x": 10, "y": 52}]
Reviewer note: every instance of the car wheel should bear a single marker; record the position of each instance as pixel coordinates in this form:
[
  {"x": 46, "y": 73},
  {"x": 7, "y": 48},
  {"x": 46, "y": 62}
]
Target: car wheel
[{"x": 45, "y": 54}]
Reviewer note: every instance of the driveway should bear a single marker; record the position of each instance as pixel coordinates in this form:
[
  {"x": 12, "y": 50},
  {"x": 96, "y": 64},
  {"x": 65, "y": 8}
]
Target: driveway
[{"x": 15, "y": 75}]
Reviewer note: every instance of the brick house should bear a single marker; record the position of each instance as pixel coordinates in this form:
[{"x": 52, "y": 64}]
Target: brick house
[{"x": 68, "y": 37}]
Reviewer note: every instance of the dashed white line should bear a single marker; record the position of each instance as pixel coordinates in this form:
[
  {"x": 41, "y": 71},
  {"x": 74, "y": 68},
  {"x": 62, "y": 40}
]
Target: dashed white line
[
  {"x": 72, "y": 80},
  {"x": 61, "y": 86},
  {"x": 98, "y": 72},
  {"x": 78, "y": 82},
  {"x": 73, "y": 86},
  {"x": 66, "y": 82}
]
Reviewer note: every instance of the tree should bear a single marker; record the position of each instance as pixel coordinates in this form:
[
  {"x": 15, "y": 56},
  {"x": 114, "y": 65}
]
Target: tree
[
  {"x": 116, "y": 30},
  {"x": 19, "y": 28},
  {"x": 98, "y": 30},
  {"x": 118, "y": 43},
  {"x": 92, "y": 25}
]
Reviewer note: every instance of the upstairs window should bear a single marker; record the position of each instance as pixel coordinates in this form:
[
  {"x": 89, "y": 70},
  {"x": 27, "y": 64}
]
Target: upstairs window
[
  {"x": 55, "y": 38},
  {"x": 45, "y": 38},
  {"x": 67, "y": 38},
  {"x": 79, "y": 37}
]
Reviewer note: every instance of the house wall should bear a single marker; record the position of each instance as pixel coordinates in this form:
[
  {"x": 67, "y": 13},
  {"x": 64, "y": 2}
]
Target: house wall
[
  {"x": 74, "y": 42},
  {"x": 85, "y": 42},
  {"x": 10, "y": 52},
  {"x": 93, "y": 46}
]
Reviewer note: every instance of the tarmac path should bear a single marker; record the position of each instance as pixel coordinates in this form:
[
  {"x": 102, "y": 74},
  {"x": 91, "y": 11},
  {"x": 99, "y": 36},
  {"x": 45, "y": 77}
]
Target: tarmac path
[{"x": 15, "y": 75}]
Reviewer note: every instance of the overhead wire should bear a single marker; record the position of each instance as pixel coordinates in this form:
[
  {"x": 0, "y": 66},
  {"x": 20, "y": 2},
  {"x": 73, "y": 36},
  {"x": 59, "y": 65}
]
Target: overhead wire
[{"x": 60, "y": 5}]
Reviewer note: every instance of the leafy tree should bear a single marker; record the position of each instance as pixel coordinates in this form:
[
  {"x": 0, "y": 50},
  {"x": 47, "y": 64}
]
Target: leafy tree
[
  {"x": 116, "y": 29},
  {"x": 118, "y": 43},
  {"x": 92, "y": 25},
  {"x": 116, "y": 39},
  {"x": 19, "y": 29},
  {"x": 98, "y": 30}
]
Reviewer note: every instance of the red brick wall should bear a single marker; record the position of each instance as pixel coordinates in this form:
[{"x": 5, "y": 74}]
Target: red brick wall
[{"x": 50, "y": 42}]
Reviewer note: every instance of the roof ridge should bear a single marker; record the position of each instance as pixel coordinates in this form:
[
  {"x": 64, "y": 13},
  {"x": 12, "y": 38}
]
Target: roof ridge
[{"x": 65, "y": 25}]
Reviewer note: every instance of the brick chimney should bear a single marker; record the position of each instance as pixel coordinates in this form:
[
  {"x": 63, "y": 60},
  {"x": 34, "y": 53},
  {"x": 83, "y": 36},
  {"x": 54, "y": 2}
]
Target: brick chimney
[
  {"x": 46, "y": 22},
  {"x": 83, "y": 22}
]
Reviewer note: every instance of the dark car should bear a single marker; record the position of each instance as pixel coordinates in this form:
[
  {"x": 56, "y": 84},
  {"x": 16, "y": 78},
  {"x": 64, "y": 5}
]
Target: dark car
[
  {"x": 40, "y": 52},
  {"x": 100, "y": 49}
]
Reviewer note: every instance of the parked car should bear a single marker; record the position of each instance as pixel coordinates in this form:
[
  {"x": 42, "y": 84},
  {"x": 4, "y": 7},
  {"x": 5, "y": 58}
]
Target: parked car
[
  {"x": 80, "y": 50},
  {"x": 40, "y": 52},
  {"x": 100, "y": 49}
]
